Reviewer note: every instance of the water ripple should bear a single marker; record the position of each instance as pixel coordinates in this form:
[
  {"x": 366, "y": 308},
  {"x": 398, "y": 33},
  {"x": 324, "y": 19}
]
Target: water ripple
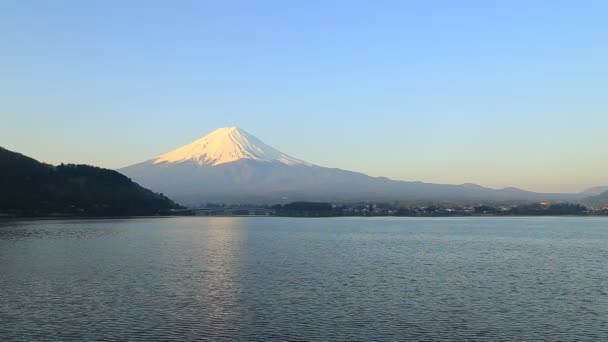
[{"x": 259, "y": 279}]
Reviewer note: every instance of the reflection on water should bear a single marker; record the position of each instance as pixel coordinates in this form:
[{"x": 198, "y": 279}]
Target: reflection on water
[
  {"x": 187, "y": 279},
  {"x": 217, "y": 258}
]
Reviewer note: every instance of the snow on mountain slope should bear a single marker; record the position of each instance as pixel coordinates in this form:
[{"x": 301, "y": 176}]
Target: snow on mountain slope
[{"x": 226, "y": 145}]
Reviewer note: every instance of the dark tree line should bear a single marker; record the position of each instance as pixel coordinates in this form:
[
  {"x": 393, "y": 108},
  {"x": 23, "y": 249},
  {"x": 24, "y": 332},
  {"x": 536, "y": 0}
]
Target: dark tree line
[
  {"x": 553, "y": 209},
  {"x": 31, "y": 188}
]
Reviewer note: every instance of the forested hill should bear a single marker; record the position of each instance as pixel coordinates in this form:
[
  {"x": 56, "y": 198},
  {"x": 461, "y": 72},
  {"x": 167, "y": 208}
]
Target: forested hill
[
  {"x": 31, "y": 188},
  {"x": 599, "y": 200}
]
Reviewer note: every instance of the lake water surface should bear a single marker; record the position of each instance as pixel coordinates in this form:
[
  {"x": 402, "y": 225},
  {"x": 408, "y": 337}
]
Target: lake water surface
[{"x": 347, "y": 279}]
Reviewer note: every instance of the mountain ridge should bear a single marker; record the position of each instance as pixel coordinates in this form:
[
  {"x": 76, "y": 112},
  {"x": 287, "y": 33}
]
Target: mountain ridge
[
  {"x": 594, "y": 191},
  {"x": 600, "y": 199},
  {"x": 200, "y": 176}
]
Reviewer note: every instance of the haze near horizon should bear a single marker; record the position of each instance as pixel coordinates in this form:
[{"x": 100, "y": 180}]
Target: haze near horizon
[{"x": 498, "y": 94}]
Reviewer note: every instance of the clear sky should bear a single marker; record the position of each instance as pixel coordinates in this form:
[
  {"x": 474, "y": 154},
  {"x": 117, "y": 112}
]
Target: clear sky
[{"x": 499, "y": 93}]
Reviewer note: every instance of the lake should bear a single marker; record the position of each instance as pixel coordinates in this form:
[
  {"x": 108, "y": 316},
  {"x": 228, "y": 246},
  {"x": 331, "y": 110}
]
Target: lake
[{"x": 339, "y": 279}]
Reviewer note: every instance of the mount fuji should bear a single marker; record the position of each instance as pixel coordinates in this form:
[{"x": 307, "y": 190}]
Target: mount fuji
[
  {"x": 226, "y": 145},
  {"x": 230, "y": 165}
]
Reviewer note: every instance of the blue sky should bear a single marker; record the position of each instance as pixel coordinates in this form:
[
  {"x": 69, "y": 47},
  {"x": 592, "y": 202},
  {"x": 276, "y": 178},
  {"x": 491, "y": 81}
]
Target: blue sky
[{"x": 499, "y": 93}]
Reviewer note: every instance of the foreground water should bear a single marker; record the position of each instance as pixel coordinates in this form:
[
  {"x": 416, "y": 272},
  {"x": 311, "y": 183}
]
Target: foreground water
[{"x": 186, "y": 279}]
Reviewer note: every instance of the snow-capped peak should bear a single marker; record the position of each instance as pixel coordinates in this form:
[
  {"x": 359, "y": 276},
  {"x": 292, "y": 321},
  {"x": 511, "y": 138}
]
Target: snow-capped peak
[{"x": 225, "y": 145}]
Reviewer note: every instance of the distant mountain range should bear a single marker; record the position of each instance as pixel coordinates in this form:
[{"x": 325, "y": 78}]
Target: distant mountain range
[
  {"x": 31, "y": 188},
  {"x": 597, "y": 190},
  {"x": 231, "y": 165}
]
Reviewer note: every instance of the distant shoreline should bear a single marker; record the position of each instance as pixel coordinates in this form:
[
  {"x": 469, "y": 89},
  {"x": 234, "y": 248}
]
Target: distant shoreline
[{"x": 62, "y": 218}]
